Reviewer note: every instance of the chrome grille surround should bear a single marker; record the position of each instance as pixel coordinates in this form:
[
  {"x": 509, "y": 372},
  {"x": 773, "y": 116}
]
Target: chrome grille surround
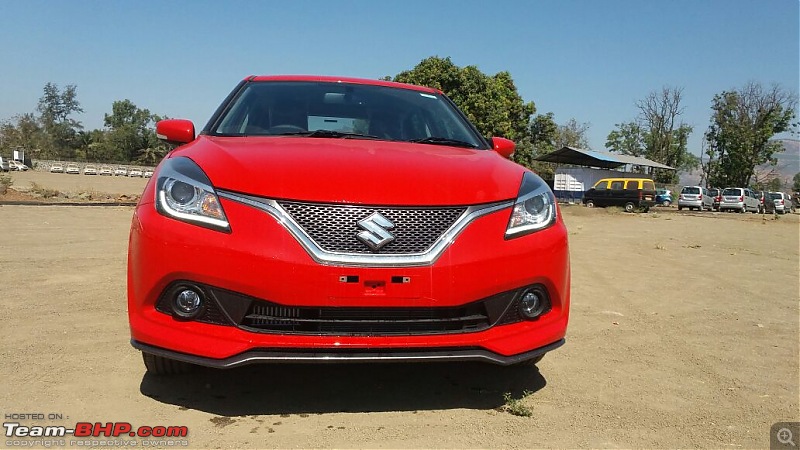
[{"x": 389, "y": 257}]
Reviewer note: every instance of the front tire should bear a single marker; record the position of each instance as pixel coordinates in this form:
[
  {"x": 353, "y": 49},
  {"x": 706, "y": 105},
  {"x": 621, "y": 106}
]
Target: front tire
[
  {"x": 590, "y": 203},
  {"x": 629, "y": 207},
  {"x": 158, "y": 365}
]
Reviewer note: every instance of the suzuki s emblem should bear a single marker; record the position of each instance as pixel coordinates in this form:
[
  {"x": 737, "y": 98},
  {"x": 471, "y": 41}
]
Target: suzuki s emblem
[{"x": 375, "y": 233}]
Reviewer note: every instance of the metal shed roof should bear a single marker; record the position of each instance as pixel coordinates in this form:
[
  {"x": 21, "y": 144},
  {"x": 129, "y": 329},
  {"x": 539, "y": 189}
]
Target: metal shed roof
[{"x": 591, "y": 158}]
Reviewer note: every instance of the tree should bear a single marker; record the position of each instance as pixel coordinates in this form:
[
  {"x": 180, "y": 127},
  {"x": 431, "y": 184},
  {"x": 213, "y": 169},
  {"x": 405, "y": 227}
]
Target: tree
[
  {"x": 491, "y": 103},
  {"x": 131, "y": 134},
  {"x": 743, "y": 123},
  {"x": 796, "y": 182},
  {"x": 55, "y": 110},
  {"x": 542, "y": 139},
  {"x": 658, "y": 134},
  {"x": 628, "y": 138},
  {"x": 22, "y": 131},
  {"x": 573, "y": 134}
]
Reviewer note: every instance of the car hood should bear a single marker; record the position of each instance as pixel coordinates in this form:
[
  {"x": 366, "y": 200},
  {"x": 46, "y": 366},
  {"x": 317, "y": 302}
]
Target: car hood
[{"x": 354, "y": 171}]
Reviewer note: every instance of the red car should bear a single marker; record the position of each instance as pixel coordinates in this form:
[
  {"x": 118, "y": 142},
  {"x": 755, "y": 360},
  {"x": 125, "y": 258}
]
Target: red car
[{"x": 320, "y": 219}]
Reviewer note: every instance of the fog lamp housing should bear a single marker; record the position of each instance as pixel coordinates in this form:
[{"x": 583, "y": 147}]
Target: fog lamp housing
[
  {"x": 187, "y": 303},
  {"x": 534, "y": 302}
]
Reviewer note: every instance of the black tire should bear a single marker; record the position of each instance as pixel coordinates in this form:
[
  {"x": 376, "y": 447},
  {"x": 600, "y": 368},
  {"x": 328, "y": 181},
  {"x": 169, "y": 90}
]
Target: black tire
[
  {"x": 680, "y": 208},
  {"x": 590, "y": 203},
  {"x": 158, "y": 365},
  {"x": 744, "y": 209},
  {"x": 666, "y": 203},
  {"x": 629, "y": 207}
]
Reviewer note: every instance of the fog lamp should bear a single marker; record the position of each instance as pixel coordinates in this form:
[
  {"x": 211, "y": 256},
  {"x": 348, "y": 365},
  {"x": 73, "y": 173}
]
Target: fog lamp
[
  {"x": 532, "y": 304},
  {"x": 188, "y": 303}
]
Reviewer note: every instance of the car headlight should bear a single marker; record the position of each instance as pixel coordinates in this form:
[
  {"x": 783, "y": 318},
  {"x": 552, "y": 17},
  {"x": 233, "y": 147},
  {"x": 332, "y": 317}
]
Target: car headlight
[
  {"x": 184, "y": 192},
  {"x": 534, "y": 209}
]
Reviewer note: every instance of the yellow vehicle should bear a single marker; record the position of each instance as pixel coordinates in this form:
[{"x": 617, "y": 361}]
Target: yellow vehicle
[{"x": 630, "y": 193}]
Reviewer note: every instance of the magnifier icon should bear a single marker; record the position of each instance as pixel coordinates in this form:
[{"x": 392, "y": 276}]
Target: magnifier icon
[{"x": 784, "y": 436}]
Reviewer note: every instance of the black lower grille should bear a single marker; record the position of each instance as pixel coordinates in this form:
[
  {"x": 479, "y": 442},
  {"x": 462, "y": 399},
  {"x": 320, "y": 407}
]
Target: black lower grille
[{"x": 264, "y": 316}]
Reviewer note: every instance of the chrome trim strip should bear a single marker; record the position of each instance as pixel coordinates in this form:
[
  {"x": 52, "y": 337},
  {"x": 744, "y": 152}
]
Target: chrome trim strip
[
  {"x": 321, "y": 256},
  {"x": 292, "y": 355}
]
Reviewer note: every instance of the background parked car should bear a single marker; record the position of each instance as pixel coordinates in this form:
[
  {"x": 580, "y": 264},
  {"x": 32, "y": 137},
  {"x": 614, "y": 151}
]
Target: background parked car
[
  {"x": 16, "y": 165},
  {"x": 663, "y": 197},
  {"x": 630, "y": 193},
  {"x": 135, "y": 172},
  {"x": 760, "y": 196},
  {"x": 740, "y": 200},
  {"x": 105, "y": 170},
  {"x": 782, "y": 202},
  {"x": 73, "y": 169},
  {"x": 695, "y": 197},
  {"x": 90, "y": 170},
  {"x": 121, "y": 171},
  {"x": 56, "y": 168},
  {"x": 3, "y": 164},
  {"x": 148, "y": 173},
  {"x": 716, "y": 197}
]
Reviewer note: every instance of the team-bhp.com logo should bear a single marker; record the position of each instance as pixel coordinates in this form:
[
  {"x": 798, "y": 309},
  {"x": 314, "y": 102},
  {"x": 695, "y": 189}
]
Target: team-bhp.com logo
[{"x": 97, "y": 429}]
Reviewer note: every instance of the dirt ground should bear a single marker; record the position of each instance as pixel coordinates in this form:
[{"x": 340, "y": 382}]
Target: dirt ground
[{"x": 683, "y": 333}]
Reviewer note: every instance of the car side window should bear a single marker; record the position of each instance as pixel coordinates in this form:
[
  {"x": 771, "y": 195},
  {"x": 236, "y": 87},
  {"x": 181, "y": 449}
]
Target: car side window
[
  {"x": 616, "y": 185},
  {"x": 601, "y": 186},
  {"x": 632, "y": 185}
]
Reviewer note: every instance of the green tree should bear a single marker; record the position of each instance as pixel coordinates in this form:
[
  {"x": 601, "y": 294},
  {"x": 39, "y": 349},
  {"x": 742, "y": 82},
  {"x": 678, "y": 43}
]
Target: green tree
[
  {"x": 541, "y": 139},
  {"x": 492, "y": 103},
  {"x": 628, "y": 138},
  {"x": 131, "y": 134},
  {"x": 55, "y": 110},
  {"x": 23, "y": 131},
  {"x": 796, "y": 182},
  {"x": 743, "y": 123}
]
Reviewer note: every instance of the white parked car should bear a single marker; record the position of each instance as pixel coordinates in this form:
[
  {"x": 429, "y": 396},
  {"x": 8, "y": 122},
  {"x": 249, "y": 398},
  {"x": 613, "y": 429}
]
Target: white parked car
[
  {"x": 135, "y": 172},
  {"x": 57, "y": 168},
  {"x": 16, "y": 165},
  {"x": 739, "y": 200},
  {"x": 105, "y": 170},
  {"x": 695, "y": 197},
  {"x": 148, "y": 173},
  {"x": 90, "y": 170},
  {"x": 121, "y": 171},
  {"x": 783, "y": 203},
  {"x": 73, "y": 169}
]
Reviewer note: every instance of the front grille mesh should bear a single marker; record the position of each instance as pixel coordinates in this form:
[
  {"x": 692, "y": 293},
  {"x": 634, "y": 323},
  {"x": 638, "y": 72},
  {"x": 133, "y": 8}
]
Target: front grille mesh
[
  {"x": 264, "y": 316},
  {"x": 334, "y": 228}
]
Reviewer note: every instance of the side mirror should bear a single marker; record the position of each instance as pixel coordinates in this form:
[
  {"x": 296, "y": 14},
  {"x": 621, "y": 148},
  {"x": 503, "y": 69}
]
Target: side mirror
[
  {"x": 175, "y": 131},
  {"x": 505, "y": 147}
]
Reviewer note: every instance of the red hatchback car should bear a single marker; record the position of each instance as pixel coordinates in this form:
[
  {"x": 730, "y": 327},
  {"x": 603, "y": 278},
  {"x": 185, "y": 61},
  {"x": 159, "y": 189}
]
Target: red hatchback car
[{"x": 319, "y": 219}]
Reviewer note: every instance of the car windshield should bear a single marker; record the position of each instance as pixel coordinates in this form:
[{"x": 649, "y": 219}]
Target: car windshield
[
  {"x": 344, "y": 111},
  {"x": 691, "y": 190},
  {"x": 732, "y": 191}
]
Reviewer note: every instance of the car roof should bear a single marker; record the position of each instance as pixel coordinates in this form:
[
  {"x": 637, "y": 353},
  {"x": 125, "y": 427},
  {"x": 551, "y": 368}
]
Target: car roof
[{"x": 350, "y": 80}]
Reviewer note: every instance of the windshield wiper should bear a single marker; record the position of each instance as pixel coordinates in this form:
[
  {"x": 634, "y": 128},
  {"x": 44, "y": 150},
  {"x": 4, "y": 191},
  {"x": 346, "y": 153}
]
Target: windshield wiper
[
  {"x": 327, "y": 134},
  {"x": 443, "y": 141}
]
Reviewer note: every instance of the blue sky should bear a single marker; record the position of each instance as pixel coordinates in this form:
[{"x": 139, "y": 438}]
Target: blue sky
[{"x": 582, "y": 59}]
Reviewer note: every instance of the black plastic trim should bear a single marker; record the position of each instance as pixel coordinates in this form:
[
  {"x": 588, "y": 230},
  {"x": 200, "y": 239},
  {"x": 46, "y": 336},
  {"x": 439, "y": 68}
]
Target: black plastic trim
[{"x": 315, "y": 356}]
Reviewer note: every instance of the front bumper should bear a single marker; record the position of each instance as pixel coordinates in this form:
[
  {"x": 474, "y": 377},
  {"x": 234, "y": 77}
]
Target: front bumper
[
  {"x": 259, "y": 258},
  {"x": 297, "y": 357}
]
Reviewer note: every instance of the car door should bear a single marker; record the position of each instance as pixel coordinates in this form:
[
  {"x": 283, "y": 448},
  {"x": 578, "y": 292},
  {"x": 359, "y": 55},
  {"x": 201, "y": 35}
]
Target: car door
[
  {"x": 598, "y": 193},
  {"x": 616, "y": 193}
]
